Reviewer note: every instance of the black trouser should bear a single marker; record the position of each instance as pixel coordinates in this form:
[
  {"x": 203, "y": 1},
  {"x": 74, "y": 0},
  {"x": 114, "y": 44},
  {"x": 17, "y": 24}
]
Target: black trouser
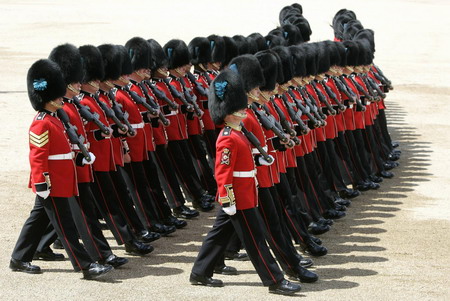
[
  {"x": 109, "y": 207},
  {"x": 156, "y": 191},
  {"x": 205, "y": 172},
  {"x": 56, "y": 211},
  {"x": 384, "y": 129},
  {"x": 125, "y": 200},
  {"x": 249, "y": 228},
  {"x": 342, "y": 150},
  {"x": 145, "y": 205},
  {"x": 210, "y": 138},
  {"x": 299, "y": 203},
  {"x": 277, "y": 237},
  {"x": 294, "y": 219},
  {"x": 319, "y": 181},
  {"x": 335, "y": 168},
  {"x": 181, "y": 159},
  {"x": 356, "y": 159},
  {"x": 314, "y": 206},
  {"x": 372, "y": 148},
  {"x": 171, "y": 184}
]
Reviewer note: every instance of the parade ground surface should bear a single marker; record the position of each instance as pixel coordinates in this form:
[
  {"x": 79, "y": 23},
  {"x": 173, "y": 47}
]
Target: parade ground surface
[{"x": 393, "y": 244}]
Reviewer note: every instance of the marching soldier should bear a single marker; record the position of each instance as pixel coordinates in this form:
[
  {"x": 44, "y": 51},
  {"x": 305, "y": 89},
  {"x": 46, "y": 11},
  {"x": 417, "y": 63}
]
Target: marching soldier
[
  {"x": 53, "y": 176},
  {"x": 237, "y": 193}
]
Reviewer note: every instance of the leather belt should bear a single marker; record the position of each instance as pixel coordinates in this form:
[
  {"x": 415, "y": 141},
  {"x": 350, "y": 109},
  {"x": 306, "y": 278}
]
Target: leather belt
[
  {"x": 137, "y": 125},
  {"x": 244, "y": 174},
  {"x": 68, "y": 156},
  {"x": 256, "y": 151}
]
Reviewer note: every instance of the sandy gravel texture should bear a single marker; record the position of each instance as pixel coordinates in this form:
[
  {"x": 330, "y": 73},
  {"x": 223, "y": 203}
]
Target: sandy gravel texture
[{"x": 393, "y": 245}]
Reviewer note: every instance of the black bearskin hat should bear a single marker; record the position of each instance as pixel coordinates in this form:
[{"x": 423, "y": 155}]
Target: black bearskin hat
[
  {"x": 341, "y": 18},
  {"x": 159, "y": 58},
  {"x": 45, "y": 83},
  {"x": 218, "y": 50},
  {"x": 68, "y": 58},
  {"x": 126, "y": 66},
  {"x": 200, "y": 51},
  {"x": 323, "y": 58},
  {"x": 286, "y": 62},
  {"x": 274, "y": 41},
  {"x": 241, "y": 43},
  {"x": 177, "y": 53},
  {"x": 260, "y": 41},
  {"x": 292, "y": 34},
  {"x": 112, "y": 61},
  {"x": 352, "y": 53},
  {"x": 92, "y": 63},
  {"x": 367, "y": 34},
  {"x": 269, "y": 65},
  {"x": 140, "y": 53},
  {"x": 350, "y": 29},
  {"x": 298, "y": 61},
  {"x": 226, "y": 95},
  {"x": 231, "y": 51},
  {"x": 250, "y": 71}
]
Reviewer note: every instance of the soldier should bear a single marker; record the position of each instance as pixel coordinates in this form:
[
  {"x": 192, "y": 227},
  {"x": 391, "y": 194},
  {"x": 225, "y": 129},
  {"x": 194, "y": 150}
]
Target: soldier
[{"x": 53, "y": 176}]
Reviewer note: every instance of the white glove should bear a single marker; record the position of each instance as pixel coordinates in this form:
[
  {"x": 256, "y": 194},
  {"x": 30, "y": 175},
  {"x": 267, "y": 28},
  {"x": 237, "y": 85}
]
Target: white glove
[
  {"x": 43, "y": 194},
  {"x": 263, "y": 161},
  {"x": 230, "y": 210},
  {"x": 84, "y": 161}
]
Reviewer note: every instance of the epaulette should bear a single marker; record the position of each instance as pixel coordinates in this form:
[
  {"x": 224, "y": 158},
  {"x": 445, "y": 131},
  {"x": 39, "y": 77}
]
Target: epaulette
[
  {"x": 41, "y": 116},
  {"x": 226, "y": 131}
]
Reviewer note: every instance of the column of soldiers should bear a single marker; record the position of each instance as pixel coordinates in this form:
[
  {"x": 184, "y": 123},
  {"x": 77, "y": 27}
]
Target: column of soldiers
[{"x": 274, "y": 128}]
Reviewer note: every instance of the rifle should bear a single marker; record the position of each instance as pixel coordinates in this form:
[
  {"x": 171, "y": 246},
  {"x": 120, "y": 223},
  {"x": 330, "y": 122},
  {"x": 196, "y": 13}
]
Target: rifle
[
  {"x": 342, "y": 86},
  {"x": 255, "y": 142},
  {"x": 285, "y": 123},
  {"x": 86, "y": 113},
  {"x": 161, "y": 95},
  {"x": 323, "y": 99},
  {"x": 372, "y": 92},
  {"x": 382, "y": 78},
  {"x": 375, "y": 86},
  {"x": 305, "y": 110},
  {"x": 360, "y": 88},
  {"x": 72, "y": 133},
  {"x": 294, "y": 116},
  {"x": 192, "y": 99},
  {"x": 198, "y": 86},
  {"x": 311, "y": 104},
  {"x": 269, "y": 123},
  {"x": 110, "y": 113},
  {"x": 330, "y": 93},
  {"x": 123, "y": 116},
  {"x": 153, "y": 104},
  {"x": 176, "y": 94}
]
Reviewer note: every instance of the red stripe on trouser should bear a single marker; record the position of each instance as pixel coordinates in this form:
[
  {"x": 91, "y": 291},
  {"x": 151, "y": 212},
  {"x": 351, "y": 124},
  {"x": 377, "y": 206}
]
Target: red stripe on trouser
[
  {"x": 167, "y": 181},
  {"x": 64, "y": 234},
  {"x": 371, "y": 151},
  {"x": 271, "y": 236},
  {"x": 107, "y": 208},
  {"x": 292, "y": 223},
  {"x": 89, "y": 230},
  {"x": 130, "y": 224},
  {"x": 256, "y": 246},
  {"x": 303, "y": 189},
  {"x": 315, "y": 194},
  {"x": 358, "y": 168},
  {"x": 149, "y": 224}
]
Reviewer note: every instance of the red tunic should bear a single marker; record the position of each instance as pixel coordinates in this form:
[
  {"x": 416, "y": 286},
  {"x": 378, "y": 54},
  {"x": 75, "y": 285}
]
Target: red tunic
[
  {"x": 208, "y": 124},
  {"x": 102, "y": 148},
  {"x": 251, "y": 123},
  {"x": 84, "y": 173},
  {"x": 51, "y": 157},
  {"x": 331, "y": 127},
  {"x": 194, "y": 124},
  {"x": 339, "y": 117},
  {"x": 177, "y": 130},
  {"x": 234, "y": 170},
  {"x": 150, "y": 144},
  {"x": 320, "y": 131},
  {"x": 137, "y": 144},
  {"x": 115, "y": 141}
]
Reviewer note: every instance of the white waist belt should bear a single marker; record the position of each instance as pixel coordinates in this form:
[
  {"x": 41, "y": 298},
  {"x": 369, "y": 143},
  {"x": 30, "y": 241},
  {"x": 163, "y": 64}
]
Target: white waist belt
[
  {"x": 256, "y": 151},
  {"x": 137, "y": 125},
  {"x": 172, "y": 113},
  {"x": 77, "y": 148},
  {"x": 68, "y": 156},
  {"x": 244, "y": 174}
]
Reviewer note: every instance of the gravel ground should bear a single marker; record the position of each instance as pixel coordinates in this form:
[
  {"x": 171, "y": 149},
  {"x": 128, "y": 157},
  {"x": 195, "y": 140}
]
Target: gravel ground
[{"x": 393, "y": 244}]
